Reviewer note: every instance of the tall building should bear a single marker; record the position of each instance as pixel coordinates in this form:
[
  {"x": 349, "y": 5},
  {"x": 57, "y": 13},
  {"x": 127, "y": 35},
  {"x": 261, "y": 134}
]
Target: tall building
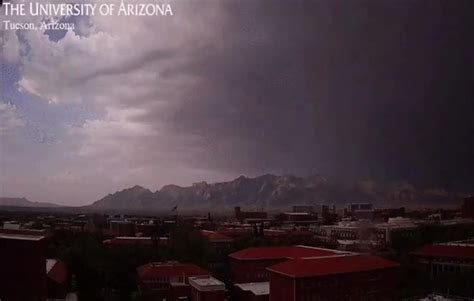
[
  {"x": 467, "y": 209},
  {"x": 22, "y": 267}
]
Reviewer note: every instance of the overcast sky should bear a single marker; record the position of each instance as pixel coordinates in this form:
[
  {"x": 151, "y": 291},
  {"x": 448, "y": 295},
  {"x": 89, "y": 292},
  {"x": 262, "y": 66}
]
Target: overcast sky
[{"x": 354, "y": 89}]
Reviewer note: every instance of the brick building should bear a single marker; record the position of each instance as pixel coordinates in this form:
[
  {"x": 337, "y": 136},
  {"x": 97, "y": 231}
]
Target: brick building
[
  {"x": 339, "y": 277},
  {"x": 250, "y": 265},
  {"x": 22, "y": 267},
  {"x": 445, "y": 258},
  {"x": 310, "y": 273},
  {"x": 167, "y": 281}
]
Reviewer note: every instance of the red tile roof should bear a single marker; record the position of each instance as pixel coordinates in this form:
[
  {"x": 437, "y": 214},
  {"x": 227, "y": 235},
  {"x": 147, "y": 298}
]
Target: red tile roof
[
  {"x": 299, "y": 268},
  {"x": 262, "y": 253},
  {"x": 170, "y": 269},
  {"x": 452, "y": 251}
]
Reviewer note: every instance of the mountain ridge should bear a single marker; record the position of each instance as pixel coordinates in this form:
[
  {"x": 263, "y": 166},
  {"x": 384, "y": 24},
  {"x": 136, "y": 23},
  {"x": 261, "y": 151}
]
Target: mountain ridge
[
  {"x": 272, "y": 192},
  {"x": 23, "y": 202}
]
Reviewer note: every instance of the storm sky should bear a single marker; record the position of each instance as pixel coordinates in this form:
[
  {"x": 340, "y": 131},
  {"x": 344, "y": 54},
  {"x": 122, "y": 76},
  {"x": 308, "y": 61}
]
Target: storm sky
[{"x": 380, "y": 90}]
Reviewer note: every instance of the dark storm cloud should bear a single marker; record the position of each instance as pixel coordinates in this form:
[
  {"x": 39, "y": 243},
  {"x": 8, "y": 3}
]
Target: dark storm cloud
[{"x": 347, "y": 88}]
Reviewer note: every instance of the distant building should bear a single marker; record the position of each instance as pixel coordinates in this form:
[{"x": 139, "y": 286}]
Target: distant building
[
  {"x": 122, "y": 241},
  {"x": 299, "y": 217},
  {"x": 353, "y": 230},
  {"x": 235, "y": 232},
  {"x": 215, "y": 237},
  {"x": 123, "y": 228},
  {"x": 446, "y": 258},
  {"x": 27, "y": 232},
  {"x": 467, "y": 209},
  {"x": 241, "y": 216},
  {"x": 361, "y": 210},
  {"x": 206, "y": 288},
  {"x": 395, "y": 226},
  {"x": 167, "y": 281},
  {"x": 11, "y": 225},
  {"x": 303, "y": 209},
  {"x": 368, "y": 233},
  {"x": 385, "y": 214}
]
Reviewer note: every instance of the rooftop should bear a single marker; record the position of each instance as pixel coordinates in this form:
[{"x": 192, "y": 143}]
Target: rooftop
[
  {"x": 206, "y": 283},
  {"x": 21, "y": 237},
  {"x": 312, "y": 267},
  {"x": 215, "y": 236},
  {"x": 262, "y": 253},
  {"x": 453, "y": 250},
  {"x": 256, "y": 288},
  {"x": 132, "y": 240},
  {"x": 170, "y": 269}
]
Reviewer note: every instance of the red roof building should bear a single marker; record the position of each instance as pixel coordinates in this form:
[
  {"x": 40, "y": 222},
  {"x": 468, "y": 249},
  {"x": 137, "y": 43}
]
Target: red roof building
[
  {"x": 339, "y": 264},
  {"x": 291, "y": 252},
  {"x": 310, "y": 273},
  {"x": 250, "y": 265},
  {"x": 453, "y": 257},
  {"x": 338, "y": 277},
  {"x": 167, "y": 280}
]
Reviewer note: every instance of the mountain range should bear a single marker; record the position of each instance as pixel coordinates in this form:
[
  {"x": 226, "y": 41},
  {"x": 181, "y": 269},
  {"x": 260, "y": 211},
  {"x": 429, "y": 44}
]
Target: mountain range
[
  {"x": 23, "y": 202},
  {"x": 273, "y": 192}
]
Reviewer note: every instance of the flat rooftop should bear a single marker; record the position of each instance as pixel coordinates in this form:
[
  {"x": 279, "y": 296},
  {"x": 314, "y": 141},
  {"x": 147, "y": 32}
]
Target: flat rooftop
[
  {"x": 292, "y": 252},
  {"x": 206, "y": 283},
  {"x": 21, "y": 237},
  {"x": 256, "y": 288},
  {"x": 313, "y": 267},
  {"x": 463, "y": 250}
]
